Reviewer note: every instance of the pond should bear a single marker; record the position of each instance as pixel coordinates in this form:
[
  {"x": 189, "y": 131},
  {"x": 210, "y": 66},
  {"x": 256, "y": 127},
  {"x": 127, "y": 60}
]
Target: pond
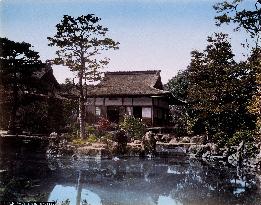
[
  {"x": 125, "y": 181},
  {"x": 28, "y": 174}
]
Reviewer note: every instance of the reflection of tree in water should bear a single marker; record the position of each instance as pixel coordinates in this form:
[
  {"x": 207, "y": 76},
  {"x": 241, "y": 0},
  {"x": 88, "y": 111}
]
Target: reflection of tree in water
[
  {"x": 147, "y": 180},
  {"x": 215, "y": 185},
  {"x": 24, "y": 181},
  {"x": 133, "y": 180},
  {"x": 25, "y": 174}
]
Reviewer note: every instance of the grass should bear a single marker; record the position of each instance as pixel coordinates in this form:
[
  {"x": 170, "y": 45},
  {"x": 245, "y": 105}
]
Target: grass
[{"x": 79, "y": 141}]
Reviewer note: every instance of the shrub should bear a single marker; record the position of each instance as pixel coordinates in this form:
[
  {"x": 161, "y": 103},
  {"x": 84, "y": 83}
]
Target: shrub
[
  {"x": 92, "y": 138},
  {"x": 221, "y": 139},
  {"x": 133, "y": 127},
  {"x": 242, "y": 135},
  {"x": 107, "y": 138},
  {"x": 249, "y": 141},
  {"x": 103, "y": 124},
  {"x": 247, "y": 136},
  {"x": 79, "y": 141},
  {"x": 90, "y": 129}
]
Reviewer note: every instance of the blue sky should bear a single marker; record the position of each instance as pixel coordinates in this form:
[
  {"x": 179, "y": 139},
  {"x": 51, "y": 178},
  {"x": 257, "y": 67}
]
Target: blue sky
[{"x": 157, "y": 34}]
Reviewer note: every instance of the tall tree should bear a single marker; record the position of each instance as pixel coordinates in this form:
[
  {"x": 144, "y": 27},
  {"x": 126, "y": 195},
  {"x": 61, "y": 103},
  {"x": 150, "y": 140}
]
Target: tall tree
[
  {"x": 248, "y": 18},
  {"x": 255, "y": 106},
  {"x": 18, "y": 62},
  {"x": 80, "y": 42},
  {"x": 219, "y": 88}
]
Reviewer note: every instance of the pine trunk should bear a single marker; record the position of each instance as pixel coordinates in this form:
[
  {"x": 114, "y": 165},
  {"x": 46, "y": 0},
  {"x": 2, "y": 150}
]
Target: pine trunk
[
  {"x": 12, "y": 122},
  {"x": 81, "y": 108}
]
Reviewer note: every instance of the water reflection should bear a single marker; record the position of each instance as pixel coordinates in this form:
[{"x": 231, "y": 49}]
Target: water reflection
[
  {"x": 126, "y": 181},
  {"x": 157, "y": 181},
  {"x": 61, "y": 193}
]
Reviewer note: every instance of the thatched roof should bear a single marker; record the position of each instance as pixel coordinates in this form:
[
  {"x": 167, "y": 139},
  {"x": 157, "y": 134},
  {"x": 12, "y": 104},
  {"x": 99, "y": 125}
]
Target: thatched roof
[
  {"x": 45, "y": 75},
  {"x": 42, "y": 84},
  {"x": 129, "y": 83}
]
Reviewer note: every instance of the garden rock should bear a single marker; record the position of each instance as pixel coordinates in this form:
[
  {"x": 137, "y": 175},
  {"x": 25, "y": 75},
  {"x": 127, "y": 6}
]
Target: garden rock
[
  {"x": 185, "y": 140},
  {"x": 121, "y": 139},
  {"x": 198, "y": 139},
  {"x": 137, "y": 142},
  {"x": 166, "y": 138},
  {"x": 193, "y": 149},
  {"x": 99, "y": 145},
  {"x": 149, "y": 143},
  {"x": 214, "y": 150},
  {"x": 206, "y": 155},
  {"x": 173, "y": 141},
  {"x": 201, "y": 149}
]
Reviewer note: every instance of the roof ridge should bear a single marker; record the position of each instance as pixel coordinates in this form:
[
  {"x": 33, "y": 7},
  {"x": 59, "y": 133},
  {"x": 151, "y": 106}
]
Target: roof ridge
[{"x": 133, "y": 72}]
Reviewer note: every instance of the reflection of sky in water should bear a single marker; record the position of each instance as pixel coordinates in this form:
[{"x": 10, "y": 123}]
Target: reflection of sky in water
[
  {"x": 91, "y": 197},
  {"x": 136, "y": 181},
  {"x": 166, "y": 200},
  {"x": 240, "y": 185},
  {"x": 61, "y": 193},
  {"x": 238, "y": 182},
  {"x": 239, "y": 190}
]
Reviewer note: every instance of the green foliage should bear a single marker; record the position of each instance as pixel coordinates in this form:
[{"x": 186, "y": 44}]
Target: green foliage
[
  {"x": 180, "y": 117},
  {"x": 92, "y": 138},
  {"x": 255, "y": 104},
  {"x": 70, "y": 107},
  {"x": 107, "y": 136},
  {"x": 239, "y": 136},
  {"x": 219, "y": 88},
  {"x": 80, "y": 40},
  {"x": 217, "y": 91},
  {"x": 247, "y": 136},
  {"x": 34, "y": 117},
  {"x": 90, "y": 129},
  {"x": 251, "y": 150},
  {"x": 178, "y": 85},
  {"x": 133, "y": 127},
  {"x": 180, "y": 120},
  {"x": 25, "y": 105},
  {"x": 70, "y": 110},
  {"x": 246, "y": 15},
  {"x": 17, "y": 66},
  {"x": 220, "y": 138},
  {"x": 79, "y": 141},
  {"x": 249, "y": 141}
]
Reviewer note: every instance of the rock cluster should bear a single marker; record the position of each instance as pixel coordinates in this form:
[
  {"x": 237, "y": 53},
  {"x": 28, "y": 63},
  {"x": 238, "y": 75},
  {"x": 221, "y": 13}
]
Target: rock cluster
[{"x": 120, "y": 145}]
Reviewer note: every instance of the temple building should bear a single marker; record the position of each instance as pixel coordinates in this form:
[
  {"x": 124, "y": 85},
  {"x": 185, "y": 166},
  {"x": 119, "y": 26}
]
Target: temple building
[{"x": 137, "y": 93}]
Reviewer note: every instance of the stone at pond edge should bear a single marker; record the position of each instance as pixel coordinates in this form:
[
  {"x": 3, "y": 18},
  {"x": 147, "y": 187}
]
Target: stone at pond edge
[{"x": 94, "y": 151}]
